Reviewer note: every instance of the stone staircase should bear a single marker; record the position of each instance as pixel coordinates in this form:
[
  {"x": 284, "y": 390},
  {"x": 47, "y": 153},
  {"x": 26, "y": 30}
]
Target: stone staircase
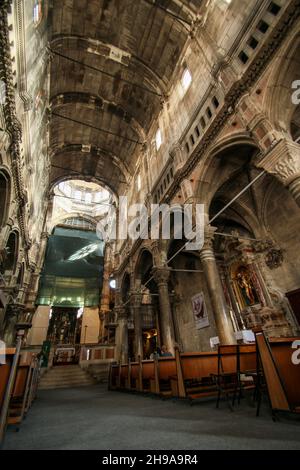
[{"x": 65, "y": 377}]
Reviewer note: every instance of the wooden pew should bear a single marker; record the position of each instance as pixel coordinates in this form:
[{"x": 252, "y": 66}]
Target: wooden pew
[
  {"x": 165, "y": 371},
  {"x": 8, "y": 373},
  {"x": 123, "y": 376},
  {"x": 136, "y": 376},
  {"x": 247, "y": 358},
  {"x": 22, "y": 394},
  {"x": 148, "y": 374},
  {"x": 5, "y": 370},
  {"x": 281, "y": 375},
  {"x": 194, "y": 372},
  {"x": 113, "y": 376}
]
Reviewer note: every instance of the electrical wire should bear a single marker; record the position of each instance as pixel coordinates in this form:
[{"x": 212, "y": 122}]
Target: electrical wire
[
  {"x": 104, "y": 72},
  {"x": 169, "y": 12},
  {"x": 97, "y": 128},
  {"x": 209, "y": 222}
]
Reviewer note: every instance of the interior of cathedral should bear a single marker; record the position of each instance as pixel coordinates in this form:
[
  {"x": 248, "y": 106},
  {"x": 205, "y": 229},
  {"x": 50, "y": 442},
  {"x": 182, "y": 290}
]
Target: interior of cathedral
[{"x": 128, "y": 130}]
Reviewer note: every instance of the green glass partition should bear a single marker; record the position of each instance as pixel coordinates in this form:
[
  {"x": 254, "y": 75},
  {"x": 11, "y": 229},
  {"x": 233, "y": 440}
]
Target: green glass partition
[{"x": 73, "y": 269}]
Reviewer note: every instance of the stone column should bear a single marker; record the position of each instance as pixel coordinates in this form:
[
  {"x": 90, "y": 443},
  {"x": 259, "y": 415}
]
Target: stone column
[
  {"x": 122, "y": 335},
  {"x": 105, "y": 294},
  {"x": 161, "y": 277},
  {"x": 215, "y": 288},
  {"x": 283, "y": 161},
  {"x": 10, "y": 321},
  {"x": 135, "y": 305}
]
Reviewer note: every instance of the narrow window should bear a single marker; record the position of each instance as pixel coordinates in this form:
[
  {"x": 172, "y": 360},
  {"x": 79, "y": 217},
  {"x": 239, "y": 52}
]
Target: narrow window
[
  {"x": 274, "y": 8},
  {"x": 253, "y": 42},
  {"x": 215, "y": 102},
  {"x": 186, "y": 79},
  {"x": 263, "y": 26},
  {"x": 243, "y": 57},
  {"x": 158, "y": 139}
]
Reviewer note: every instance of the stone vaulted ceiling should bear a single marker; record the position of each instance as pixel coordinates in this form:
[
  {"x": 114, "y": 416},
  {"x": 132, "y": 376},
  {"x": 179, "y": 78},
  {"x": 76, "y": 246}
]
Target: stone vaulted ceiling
[{"x": 130, "y": 49}]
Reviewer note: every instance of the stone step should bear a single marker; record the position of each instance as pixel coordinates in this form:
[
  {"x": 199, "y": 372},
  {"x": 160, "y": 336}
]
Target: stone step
[
  {"x": 56, "y": 386},
  {"x": 65, "y": 377},
  {"x": 81, "y": 379},
  {"x": 65, "y": 385}
]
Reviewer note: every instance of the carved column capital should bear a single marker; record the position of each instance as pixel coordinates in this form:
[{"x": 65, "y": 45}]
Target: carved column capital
[
  {"x": 207, "y": 251},
  {"x": 121, "y": 312},
  {"x": 161, "y": 275},
  {"x": 135, "y": 298},
  {"x": 283, "y": 161}
]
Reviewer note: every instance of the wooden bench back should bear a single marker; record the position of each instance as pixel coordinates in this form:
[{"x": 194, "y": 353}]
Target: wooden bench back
[
  {"x": 198, "y": 365},
  {"x": 135, "y": 367},
  {"x": 247, "y": 357},
  {"x": 23, "y": 371},
  {"x": 290, "y": 373},
  {"x": 5, "y": 372},
  {"x": 166, "y": 368},
  {"x": 124, "y": 371},
  {"x": 148, "y": 370},
  {"x": 114, "y": 375},
  {"x": 228, "y": 359}
]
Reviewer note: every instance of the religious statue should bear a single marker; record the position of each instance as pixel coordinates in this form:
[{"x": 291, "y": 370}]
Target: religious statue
[{"x": 246, "y": 287}]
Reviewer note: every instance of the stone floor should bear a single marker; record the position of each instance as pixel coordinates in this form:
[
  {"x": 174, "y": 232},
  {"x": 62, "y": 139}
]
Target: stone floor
[{"x": 93, "y": 418}]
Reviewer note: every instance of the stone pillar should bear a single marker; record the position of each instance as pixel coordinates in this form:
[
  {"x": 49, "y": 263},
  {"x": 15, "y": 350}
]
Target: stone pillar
[
  {"x": 105, "y": 294},
  {"x": 283, "y": 161},
  {"x": 135, "y": 306},
  {"x": 122, "y": 335},
  {"x": 161, "y": 277},
  {"x": 215, "y": 288},
  {"x": 10, "y": 321}
]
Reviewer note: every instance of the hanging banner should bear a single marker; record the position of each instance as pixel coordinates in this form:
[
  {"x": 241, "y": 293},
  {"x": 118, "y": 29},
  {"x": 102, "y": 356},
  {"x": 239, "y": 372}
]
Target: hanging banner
[{"x": 200, "y": 311}]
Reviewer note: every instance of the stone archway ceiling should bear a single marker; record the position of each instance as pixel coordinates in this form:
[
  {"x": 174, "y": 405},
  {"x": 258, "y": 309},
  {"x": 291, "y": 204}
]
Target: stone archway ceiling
[{"x": 113, "y": 62}]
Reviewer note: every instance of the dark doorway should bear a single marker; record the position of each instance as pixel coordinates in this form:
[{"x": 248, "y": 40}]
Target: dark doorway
[
  {"x": 64, "y": 333},
  {"x": 294, "y": 299}
]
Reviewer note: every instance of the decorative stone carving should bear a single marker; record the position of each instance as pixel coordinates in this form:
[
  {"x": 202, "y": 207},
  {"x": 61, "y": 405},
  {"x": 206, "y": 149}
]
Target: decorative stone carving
[
  {"x": 272, "y": 320},
  {"x": 283, "y": 161},
  {"x": 161, "y": 275},
  {"x": 274, "y": 258}
]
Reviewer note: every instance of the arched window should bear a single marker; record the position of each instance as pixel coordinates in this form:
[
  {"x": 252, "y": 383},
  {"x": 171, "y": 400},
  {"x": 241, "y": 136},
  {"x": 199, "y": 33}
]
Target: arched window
[
  {"x": 11, "y": 252},
  {"x": 4, "y": 197}
]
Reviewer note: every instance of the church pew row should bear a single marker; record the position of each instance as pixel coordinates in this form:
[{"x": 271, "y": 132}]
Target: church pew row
[
  {"x": 18, "y": 386},
  {"x": 187, "y": 375},
  {"x": 193, "y": 375}
]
